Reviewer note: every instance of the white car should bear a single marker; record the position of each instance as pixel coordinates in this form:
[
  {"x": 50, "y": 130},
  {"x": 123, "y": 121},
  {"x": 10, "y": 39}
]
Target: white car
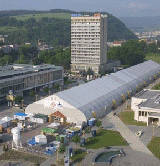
[{"x": 16, "y": 105}]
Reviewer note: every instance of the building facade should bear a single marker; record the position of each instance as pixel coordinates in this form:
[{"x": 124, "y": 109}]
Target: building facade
[
  {"x": 24, "y": 77},
  {"x": 146, "y": 106},
  {"x": 88, "y": 42}
]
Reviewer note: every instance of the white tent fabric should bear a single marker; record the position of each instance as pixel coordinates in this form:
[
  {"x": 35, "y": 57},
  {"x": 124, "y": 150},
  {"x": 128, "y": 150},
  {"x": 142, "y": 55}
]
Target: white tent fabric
[{"x": 97, "y": 96}]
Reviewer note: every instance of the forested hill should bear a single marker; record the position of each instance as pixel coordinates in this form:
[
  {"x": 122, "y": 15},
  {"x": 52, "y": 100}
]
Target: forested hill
[{"x": 53, "y": 26}]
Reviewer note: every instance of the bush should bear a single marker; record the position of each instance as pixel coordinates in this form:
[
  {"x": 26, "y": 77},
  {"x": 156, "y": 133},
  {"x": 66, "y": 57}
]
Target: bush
[
  {"x": 46, "y": 89},
  {"x": 98, "y": 123},
  {"x": 18, "y": 98},
  {"x": 62, "y": 148},
  {"x": 32, "y": 93},
  {"x": 56, "y": 86}
]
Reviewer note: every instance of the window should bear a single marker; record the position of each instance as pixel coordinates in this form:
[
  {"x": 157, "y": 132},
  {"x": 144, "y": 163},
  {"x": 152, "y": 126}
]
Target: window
[
  {"x": 145, "y": 113},
  {"x": 142, "y": 113},
  {"x": 139, "y": 113}
]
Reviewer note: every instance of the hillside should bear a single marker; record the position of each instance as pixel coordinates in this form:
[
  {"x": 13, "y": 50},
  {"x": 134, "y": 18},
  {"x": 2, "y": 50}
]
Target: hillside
[{"x": 53, "y": 26}]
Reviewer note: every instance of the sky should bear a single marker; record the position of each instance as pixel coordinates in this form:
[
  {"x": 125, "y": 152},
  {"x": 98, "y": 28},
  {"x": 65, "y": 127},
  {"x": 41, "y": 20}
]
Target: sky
[{"x": 119, "y": 8}]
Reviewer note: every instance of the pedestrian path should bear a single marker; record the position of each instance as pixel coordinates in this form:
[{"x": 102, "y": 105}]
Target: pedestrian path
[{"x": 127, "y": 134}]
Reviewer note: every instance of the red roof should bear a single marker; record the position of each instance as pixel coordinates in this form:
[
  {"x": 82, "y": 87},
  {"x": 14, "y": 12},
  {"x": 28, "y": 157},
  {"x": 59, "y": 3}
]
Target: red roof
[{"x": 58, "y": 114}]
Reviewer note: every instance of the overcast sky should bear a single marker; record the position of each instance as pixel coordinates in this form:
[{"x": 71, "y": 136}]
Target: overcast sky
[{"x": 116, "y": 7}]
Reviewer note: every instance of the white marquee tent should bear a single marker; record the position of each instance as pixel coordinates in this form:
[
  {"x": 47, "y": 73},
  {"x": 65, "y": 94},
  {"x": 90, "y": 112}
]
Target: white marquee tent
[{"x": 98, "y": 96}]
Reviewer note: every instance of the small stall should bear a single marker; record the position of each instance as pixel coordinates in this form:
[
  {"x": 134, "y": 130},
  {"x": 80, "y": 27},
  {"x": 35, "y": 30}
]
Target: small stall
[
  {"x": 3, "y": 124},
  {"x": 57, "y": 117},
  {"x": 47, "y": 130},
  {"x": 92, "y": 122},
  {"x": 54, "y": 125},
  {"x": 61, "y": 138},
  {"x": 8, "y": 120},
  {"x": 20, "y": 116},
  {"x": 38, "y": 118},
  {"x": 72, "y": 131},
  {"x": 41, "y": 139}
]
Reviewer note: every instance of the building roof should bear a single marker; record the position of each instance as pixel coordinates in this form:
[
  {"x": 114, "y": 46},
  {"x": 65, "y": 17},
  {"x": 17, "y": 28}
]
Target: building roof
[
  {"x": 58, "y": 114},
  {"x": 152, "y": 98},
  {"x": 25, "y": 69},
  {"x": 99, "y": 93}
]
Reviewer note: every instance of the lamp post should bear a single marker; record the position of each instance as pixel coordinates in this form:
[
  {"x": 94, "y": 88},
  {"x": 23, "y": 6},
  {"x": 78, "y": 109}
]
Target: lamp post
[
  {"x": 36, "y": 97},
  {"x": 22, "y": 102},
  {"x": 153, "y": 128},
  {"x": 49, "y": 92}
]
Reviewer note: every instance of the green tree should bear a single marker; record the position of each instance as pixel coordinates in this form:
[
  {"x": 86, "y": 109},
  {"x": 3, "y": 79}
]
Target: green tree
[
  {"x": 98, "y": 123},
  {"x": 56, "y": 86},
  {"x": 32, "y": 93},
  {"x": 152, "y": 48},
  {"x": 18, "y": 98},
  {"x": 46, "y": 90},
  {"x": 76, "y": 139},
  {"x": 62, "y": 148},
  {"x": 90, "y": 71},
  {"x": 7, "y": 59},
  {"x": 130, "y": 53}
]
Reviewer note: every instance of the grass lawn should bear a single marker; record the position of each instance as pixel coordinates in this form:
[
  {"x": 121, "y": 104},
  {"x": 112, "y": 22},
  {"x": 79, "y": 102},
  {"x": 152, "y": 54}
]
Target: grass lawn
[
  {"x": 78, "y": 155},
  {"x": 15, "y": 156},
  {"x": 42, "y": 15},
  {"x": 127, "y": 117},
  {"x": 154, "y": 146},
  {"x": 156, "y": 87},
  {"x": 105, "y": 138},
  {"x": 153, "y": 56}
]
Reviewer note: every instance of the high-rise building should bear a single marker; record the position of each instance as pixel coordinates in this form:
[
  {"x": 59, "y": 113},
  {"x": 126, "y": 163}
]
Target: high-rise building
[{"x": 88, "y": 42}]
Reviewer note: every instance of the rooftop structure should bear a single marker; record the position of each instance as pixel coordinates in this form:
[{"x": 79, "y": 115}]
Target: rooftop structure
[{"x": 88, "y": 42}]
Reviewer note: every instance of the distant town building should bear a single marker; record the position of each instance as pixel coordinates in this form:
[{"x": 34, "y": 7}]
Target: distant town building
[
  {"x": 88, "y": 42},
  {"x": 118, "y": 43},
  {"x": 20, "y": 78}
]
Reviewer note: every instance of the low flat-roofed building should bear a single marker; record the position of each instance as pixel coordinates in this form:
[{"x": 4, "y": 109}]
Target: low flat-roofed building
[
  {"x": 146, "y": 106},
  {"x": 25, "y": 77}
]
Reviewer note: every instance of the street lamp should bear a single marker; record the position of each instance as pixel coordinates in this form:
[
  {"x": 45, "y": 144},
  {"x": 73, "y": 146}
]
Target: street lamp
[
  {"x": 36, "y": 97},
  {"x": 153, "y": 128},
  {"x": 22, "y": 102}
]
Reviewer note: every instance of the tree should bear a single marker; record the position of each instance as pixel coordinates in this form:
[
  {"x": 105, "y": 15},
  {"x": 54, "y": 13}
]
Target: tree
[
  {"x": 46, "y": 89},
  {"x": 76, "y": 139},
  {"x": 90, "y": 71},
  {"x": 98, "y": 123},
  {"x": 18, "y": 98},
  {"x": 62, "y": 148},
  {"x": 56, "y": 86},
  {"x": 130, "y": 53},
  {"x": 152, "y": 48},
  {"x": 83, "y": 73},
  {"x": 32, "y": 93}
]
